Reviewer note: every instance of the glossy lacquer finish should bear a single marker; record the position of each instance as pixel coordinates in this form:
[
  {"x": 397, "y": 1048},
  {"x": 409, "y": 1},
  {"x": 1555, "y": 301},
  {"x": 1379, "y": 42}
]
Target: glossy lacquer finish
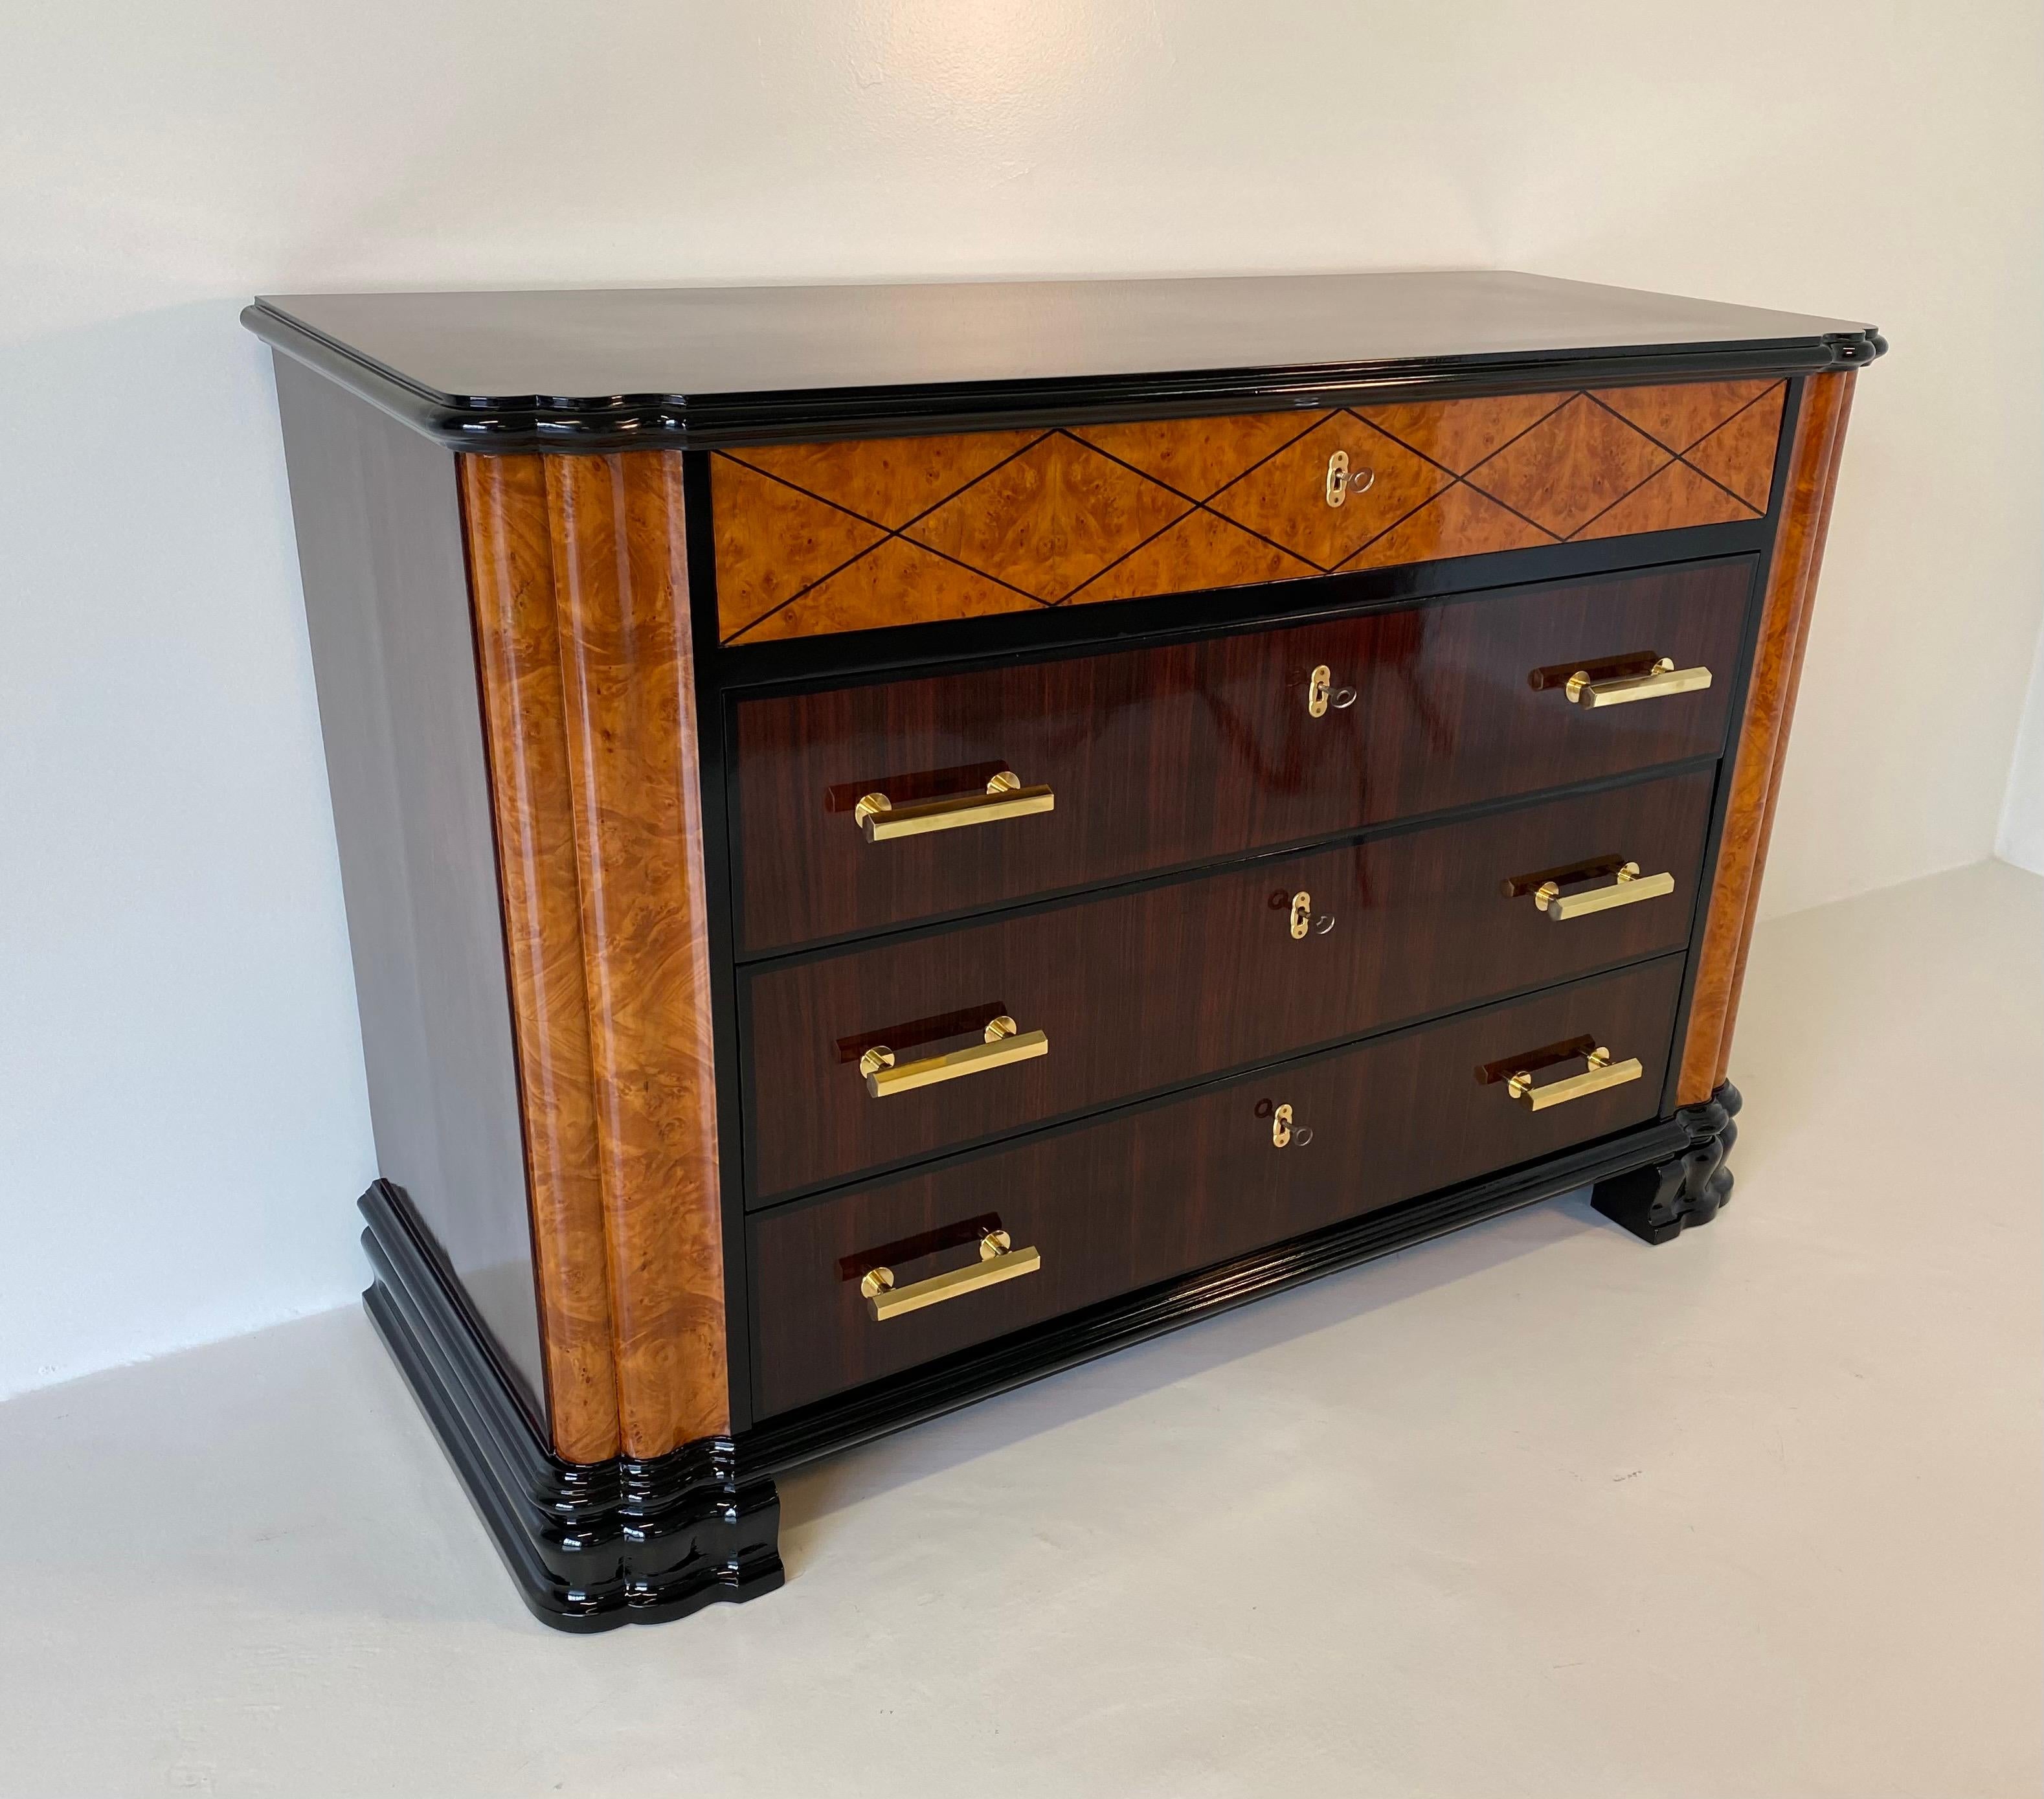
[
  {"x": 814, "y": 538},
  {"x": 1763, "y": 734},
  {"x": 1140, "y": 991},
  {"x": 1168, "y": 757},
  {"x": 646, "y": 367},
  {"x": 582, "y": 626},
  {"x": 1145, "y": 1195}
]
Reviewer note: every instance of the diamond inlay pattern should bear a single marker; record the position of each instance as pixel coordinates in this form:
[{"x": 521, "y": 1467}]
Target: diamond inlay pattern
[
  {"x": 1677, "y": 495},
  {"x": 1678, "y": 417},
  {"x": 1201, "y": 550},
  {"x": 890, "y": 480},
  {"x": 1459, "y": 521},
  {"x": 898, "y": 582},
  {"x": 1198, "y": 464},
  {"x": 1569, "y": 467},
  {"x": 791, "y": 540},
  {"x": 1267, "y": 499},
  {"x": 1458, "y": 434},
  {"x": 816, "y": 538},
  {"x": 1739, "y": 455},
  {"x": 1051, "y": 518}
]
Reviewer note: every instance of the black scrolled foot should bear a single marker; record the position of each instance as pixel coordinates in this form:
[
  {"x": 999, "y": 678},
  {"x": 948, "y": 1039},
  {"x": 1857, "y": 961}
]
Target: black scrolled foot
[
  {"x": 590, "y": 1545},
  {"x": 1657, "y": 1202}
]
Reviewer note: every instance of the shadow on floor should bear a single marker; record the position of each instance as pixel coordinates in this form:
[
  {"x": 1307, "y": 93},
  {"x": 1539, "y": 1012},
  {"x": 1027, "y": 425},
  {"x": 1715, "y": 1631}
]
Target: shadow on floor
[{"x": 811, "y": 1495}]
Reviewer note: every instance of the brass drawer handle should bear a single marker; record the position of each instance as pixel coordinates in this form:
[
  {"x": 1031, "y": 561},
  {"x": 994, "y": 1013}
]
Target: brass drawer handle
[
  {"x": 1660, "y": 681},
  {"x": 1600, "y": 1073},
  {"x": 998, "y": 1261},
  {"x": 1005, "y": 1043},
  {"x": 1005, "y": 797},
  {"x": 1629, "y": 888}
]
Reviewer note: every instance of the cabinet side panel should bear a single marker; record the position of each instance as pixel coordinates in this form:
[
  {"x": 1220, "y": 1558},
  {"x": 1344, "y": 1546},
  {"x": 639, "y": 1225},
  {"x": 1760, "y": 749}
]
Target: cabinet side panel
[
  {"x": 627, "y": 668},
  {"x": 1820, "y": 529},
  {"x": 518, "y": 645},
  {"x": 1763, "y": 732},
  {"x": 378, "y": 514}
]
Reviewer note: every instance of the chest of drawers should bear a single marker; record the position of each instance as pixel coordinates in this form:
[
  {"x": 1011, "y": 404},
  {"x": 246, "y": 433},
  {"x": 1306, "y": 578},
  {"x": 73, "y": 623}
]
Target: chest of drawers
[{"x": 895, "y": 840}]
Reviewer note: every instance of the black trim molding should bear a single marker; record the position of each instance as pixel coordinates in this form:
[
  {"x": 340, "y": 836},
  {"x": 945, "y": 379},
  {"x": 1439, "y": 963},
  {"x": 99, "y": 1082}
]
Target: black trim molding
[
  {"x": 518, "y": 424},
  {"x": 589, "y": 1546},
  {"x": 624, "y": 1541},
  {"x": 1659, "y": 1201}
]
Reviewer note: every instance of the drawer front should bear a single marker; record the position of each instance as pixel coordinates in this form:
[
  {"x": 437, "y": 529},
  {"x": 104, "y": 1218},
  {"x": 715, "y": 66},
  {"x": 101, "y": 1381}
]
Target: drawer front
[
  {"x": 1168, "y": 757},
  {"x": 1139, "y": 992},
  {"x": 816, "y": 538},
  {"x": 1116, "y": 1205}
]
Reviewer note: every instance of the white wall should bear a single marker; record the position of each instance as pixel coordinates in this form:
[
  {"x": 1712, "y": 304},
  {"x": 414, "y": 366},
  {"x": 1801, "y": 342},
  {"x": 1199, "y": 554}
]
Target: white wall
[
  {"x": 2022, "y": 839},
  {"x": 182, "y": 1118}
]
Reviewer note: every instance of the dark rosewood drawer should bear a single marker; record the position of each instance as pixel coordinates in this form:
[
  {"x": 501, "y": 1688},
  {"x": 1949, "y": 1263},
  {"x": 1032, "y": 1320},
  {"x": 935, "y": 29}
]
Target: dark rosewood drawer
[
  {"x": 1169, "y": 756},
  {"x": 1139, "y": 1197},
  {"x": 1140, "y": 991}
]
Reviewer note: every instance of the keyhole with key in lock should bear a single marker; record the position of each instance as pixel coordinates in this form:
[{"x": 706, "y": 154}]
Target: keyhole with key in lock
[
  {"x": 1286, "y": 1132},
  {"x": 1301, "y": 918},
  {"x": 1321, "y": 692},
  {"x": 1343, "y": 481}
]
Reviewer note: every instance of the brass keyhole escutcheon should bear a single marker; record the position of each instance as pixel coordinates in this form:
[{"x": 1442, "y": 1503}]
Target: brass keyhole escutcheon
[
  {"x": 1342, "y": 481},
  {"x": 1284, "y": 1130},
  {"x": 1322, "y": 693},
  {"x": 1300, "y": 919},
  {"x": 1319, "y": 690}
]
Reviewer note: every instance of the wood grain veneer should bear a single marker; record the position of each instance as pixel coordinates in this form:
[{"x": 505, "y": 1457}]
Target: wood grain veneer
[
  {"x": 1171, "y": 756},
  {"x": 1820, "y": 530},
  {"x": 1143, "y": 991},
  {"x": 581, "y": 620},
  {"x": 1763, "y": 736},
  {"x": 517, "y": 631},
  {"x": 498, "y": 593},
  {"x": 816, "y": 538},
  {"x": 1141, "y": 1195}
]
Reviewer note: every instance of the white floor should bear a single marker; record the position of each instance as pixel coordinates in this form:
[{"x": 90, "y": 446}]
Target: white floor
[{"x": 1533, "y": 1510}]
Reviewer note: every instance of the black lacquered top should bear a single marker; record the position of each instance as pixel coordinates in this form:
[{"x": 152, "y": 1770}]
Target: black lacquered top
[{"x": 602, "y": 369}]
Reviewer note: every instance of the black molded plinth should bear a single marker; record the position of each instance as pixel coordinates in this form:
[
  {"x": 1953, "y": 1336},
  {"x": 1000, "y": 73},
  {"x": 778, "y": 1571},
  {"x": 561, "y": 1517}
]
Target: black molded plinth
[
  {"x": 625, "y": 1540},
  {"x": 589, "y": 1546},
  {"x": 1661, "y": 1200}
]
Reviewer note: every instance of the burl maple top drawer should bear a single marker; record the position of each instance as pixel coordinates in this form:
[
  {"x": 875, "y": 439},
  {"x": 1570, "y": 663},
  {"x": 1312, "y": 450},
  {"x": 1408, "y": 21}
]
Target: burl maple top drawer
[
  {"x": 866, "y": 1058},
  {"x": 862, "y": 808},
  {"x": 1142, "y": 1196},
  {"x": 863, "y": 533}
]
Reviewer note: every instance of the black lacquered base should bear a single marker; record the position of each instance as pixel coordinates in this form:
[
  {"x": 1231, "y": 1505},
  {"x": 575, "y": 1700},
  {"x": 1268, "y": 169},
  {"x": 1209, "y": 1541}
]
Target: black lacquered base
[
  {"x": 618, "y": 1542},
  {"x": 625, "y": 1541},
  {"x": 1662, "y": 1200}
]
